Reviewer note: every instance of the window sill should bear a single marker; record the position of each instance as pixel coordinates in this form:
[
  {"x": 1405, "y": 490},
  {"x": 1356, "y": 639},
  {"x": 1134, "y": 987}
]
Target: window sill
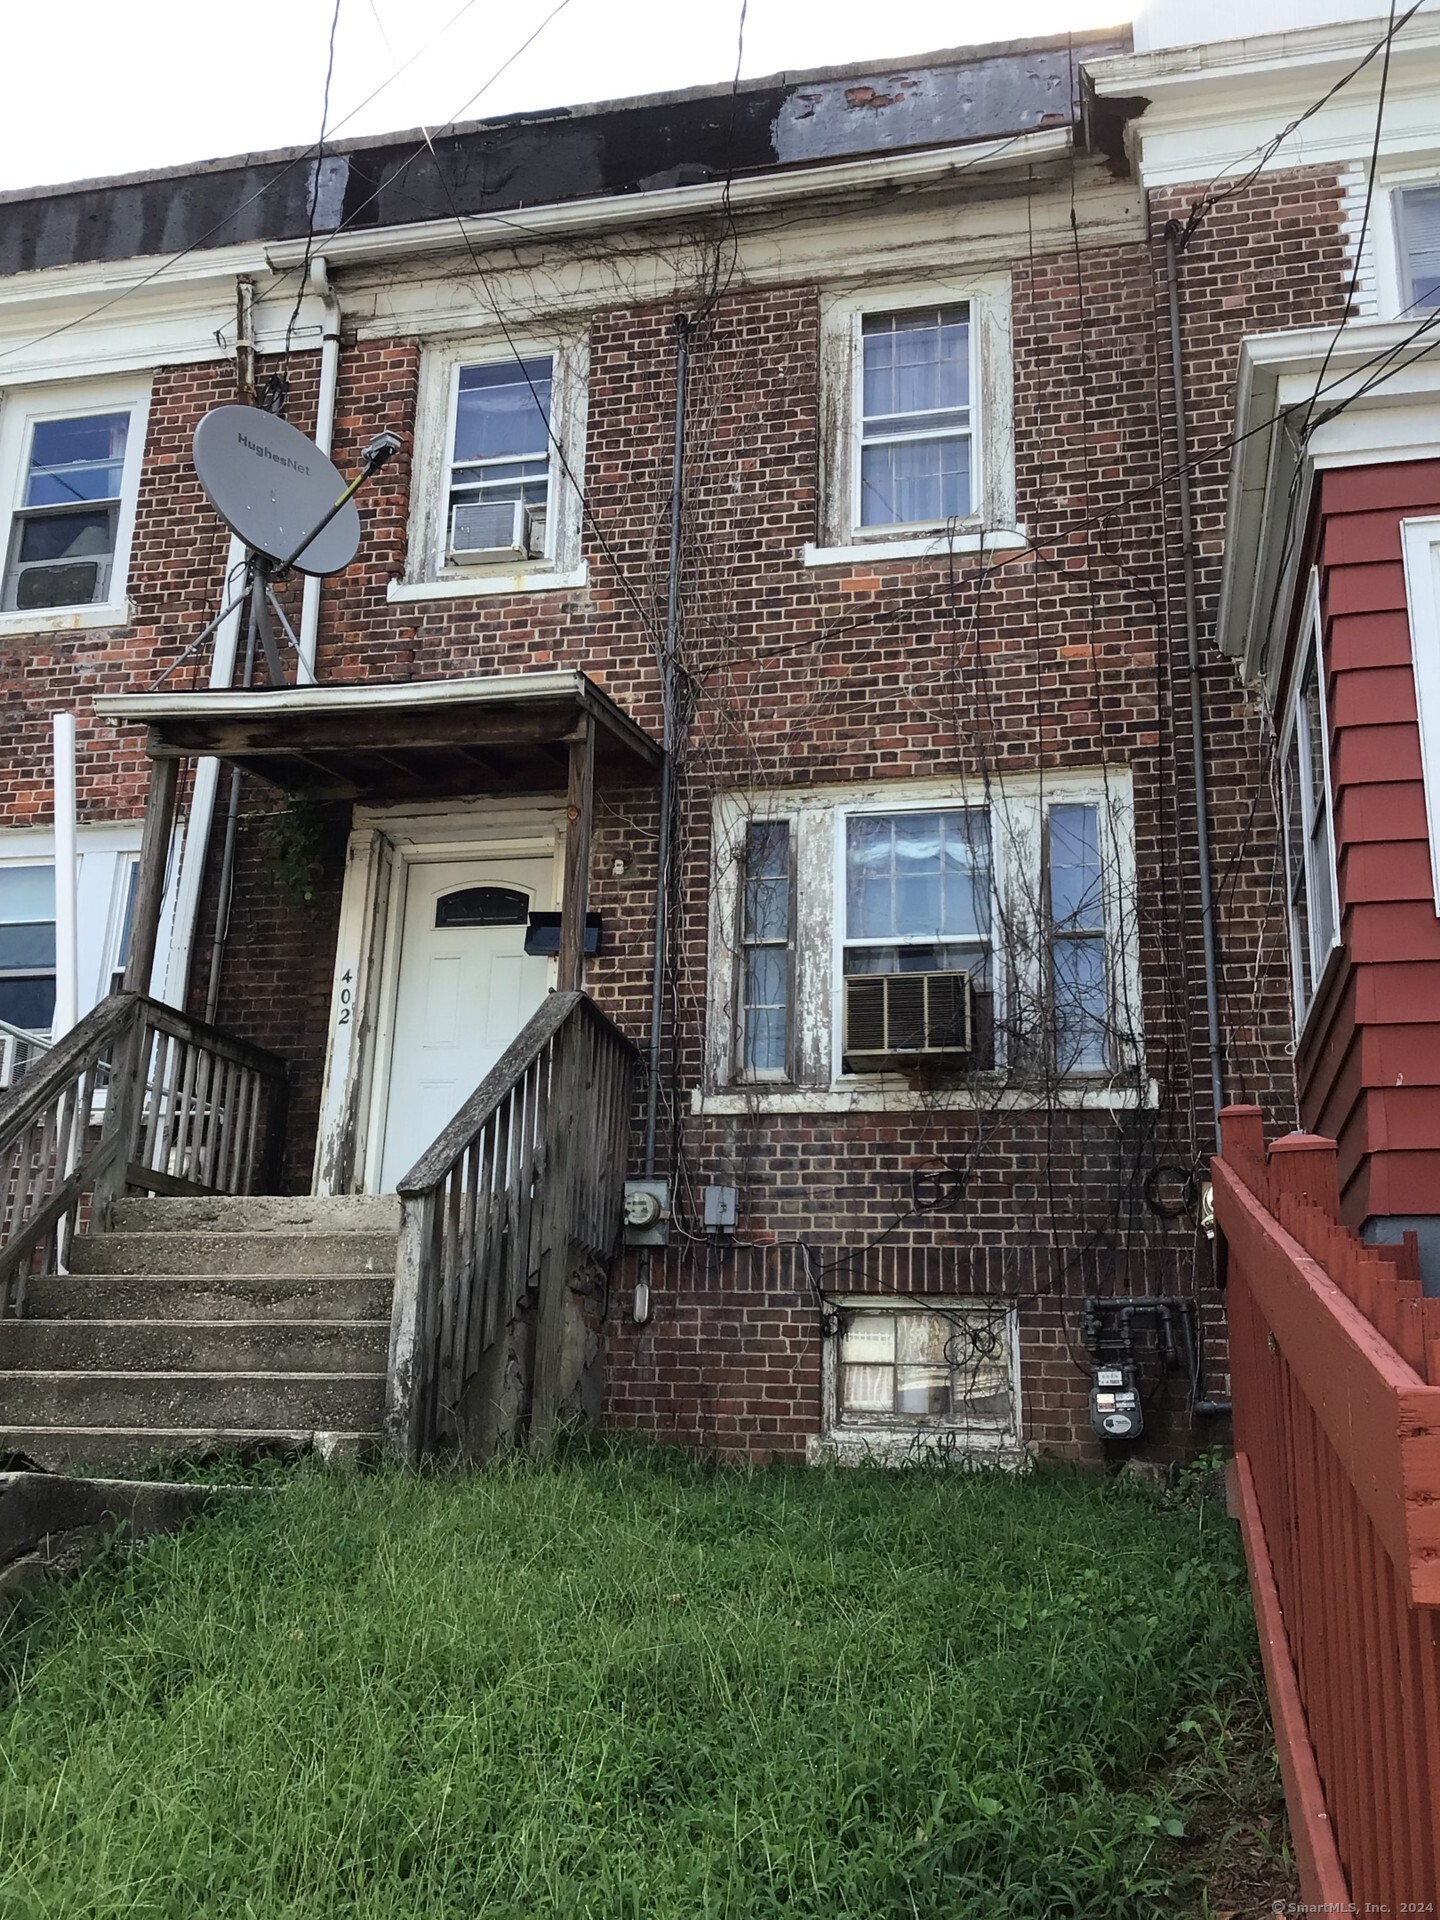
[
  {"x": 887, "y": 1447},
  {"x": 68, "y": 619},
  {"x": 921, "y": 546},
  {"x": 522, "y": 580},
  {"x": 888, "y": 1093}
]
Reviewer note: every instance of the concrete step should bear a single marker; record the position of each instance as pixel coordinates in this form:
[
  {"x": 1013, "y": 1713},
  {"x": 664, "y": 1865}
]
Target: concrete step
[
  {"x": 142, "y": 1449},
  {"x": 259, "y": 1213},
  {"x": 263, "y": 1401},
  {"x": 195, "y": 1346},
  {"x": 279, "y": 1252},
  {"x": 235, "y": 1296}
]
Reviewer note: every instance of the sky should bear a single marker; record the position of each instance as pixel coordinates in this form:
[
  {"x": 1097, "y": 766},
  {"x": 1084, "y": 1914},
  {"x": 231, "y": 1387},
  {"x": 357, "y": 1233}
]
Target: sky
[{"x": 98, "y": 87}]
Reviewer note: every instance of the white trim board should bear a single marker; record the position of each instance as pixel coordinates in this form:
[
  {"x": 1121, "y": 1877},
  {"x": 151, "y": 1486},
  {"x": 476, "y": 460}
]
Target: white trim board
[{"x": 1420, "y": 548}]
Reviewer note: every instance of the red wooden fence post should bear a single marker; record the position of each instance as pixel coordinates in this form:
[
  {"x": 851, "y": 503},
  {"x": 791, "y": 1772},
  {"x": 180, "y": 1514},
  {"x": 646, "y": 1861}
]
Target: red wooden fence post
[
  {"x": 1242, "y": 1135},
  {"x": 1304, "y": 1166}
]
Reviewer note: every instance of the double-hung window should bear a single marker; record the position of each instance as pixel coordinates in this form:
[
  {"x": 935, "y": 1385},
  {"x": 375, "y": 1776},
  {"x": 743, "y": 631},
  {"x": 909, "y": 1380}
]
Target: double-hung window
[
  {"x": 917, "y": 453},
  {"x": 499, "y": 490},
  {"x": 70, "y": 473},
  {"x": 1418, "y": 212},
  {"x": 913, "y": 419},
  {"x": 918, "y": 901},
  {"x": 496, "y": 504},
  {"x": 1307, "y": 828}
]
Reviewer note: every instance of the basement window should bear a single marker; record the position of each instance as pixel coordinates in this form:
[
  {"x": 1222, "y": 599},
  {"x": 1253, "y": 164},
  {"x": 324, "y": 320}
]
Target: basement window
[
  {"x": 908, "y": 1376},
  {"x": 70, "y": 471}
]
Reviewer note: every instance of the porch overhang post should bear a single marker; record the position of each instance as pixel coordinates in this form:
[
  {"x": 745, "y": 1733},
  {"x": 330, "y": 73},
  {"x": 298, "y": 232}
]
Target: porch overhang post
[
  {"x": 154, "y": 859},
  {"x": 579, "y": 824}
]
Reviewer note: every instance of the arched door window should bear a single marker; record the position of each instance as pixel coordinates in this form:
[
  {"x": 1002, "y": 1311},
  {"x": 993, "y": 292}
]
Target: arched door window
[{"x": 483, "y": 907}]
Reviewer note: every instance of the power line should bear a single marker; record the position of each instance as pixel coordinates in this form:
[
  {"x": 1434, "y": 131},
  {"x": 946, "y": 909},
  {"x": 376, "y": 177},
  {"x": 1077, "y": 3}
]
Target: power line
[{"x": 234, "y": 212}]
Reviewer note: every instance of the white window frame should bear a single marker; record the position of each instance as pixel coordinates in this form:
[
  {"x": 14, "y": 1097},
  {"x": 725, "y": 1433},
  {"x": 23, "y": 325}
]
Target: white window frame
[
  {"x": 891, "y": 1439},
  {"x": 991, "y": 522},
  {"x": 1420, "y": 546},
  {"x": 107, "y": 856},
  {"x": 20, "y": 409},
  {"x": 817, "y": 817},
  {"x": 430, "y": 573},
  {"x": 1319, "y": 879}
]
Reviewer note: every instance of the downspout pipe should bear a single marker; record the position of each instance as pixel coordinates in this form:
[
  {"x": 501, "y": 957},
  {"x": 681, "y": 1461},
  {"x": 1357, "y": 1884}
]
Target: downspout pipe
[
  {"x": 1214, "y": 1036},
  {"x": 641, "y": 1304},
  {"x": 324, "y": 435}
]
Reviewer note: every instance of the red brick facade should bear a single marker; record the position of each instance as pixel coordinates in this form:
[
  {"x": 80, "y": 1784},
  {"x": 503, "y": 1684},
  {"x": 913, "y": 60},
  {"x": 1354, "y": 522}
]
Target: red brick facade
[{"x": 1070, "y": 656}]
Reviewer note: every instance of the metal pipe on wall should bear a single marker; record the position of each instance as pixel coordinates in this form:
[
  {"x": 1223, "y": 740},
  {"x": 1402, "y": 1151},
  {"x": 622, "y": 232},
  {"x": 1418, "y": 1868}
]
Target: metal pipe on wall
[
  {"x": 1210, "y": 945},
  {"x": 641, "y": 1304},
  {"x": 324, "y": 436},
  {"x": 67, "y": 882}
]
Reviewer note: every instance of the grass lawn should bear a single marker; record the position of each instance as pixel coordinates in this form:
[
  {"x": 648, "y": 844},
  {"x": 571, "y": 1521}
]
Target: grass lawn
[{"x": 631, "y": 1688}]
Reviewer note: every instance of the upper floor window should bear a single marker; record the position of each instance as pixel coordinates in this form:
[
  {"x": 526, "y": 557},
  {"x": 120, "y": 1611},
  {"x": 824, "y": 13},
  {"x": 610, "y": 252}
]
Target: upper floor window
[
  {"x": 500, "y": 461},
  {"x": 914, "y": 418},
  {"x": 498, "y": 469},
  {"x": 1419, "y": 232},
  {"x": 70, "y": 475},
  {"x": 910, "y": 457},
  {"x": 1308, "y": 831}
]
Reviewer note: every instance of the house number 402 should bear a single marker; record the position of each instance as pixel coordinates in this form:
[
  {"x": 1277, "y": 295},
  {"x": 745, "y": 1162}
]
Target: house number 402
[{"x": 347, "y": 998}]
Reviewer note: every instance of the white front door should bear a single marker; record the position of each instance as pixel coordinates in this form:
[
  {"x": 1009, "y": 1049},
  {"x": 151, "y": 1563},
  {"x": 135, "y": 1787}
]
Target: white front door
[{"x": 466, "y": 987}]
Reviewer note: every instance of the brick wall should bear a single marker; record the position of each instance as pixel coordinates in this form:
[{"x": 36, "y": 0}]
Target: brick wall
[{"x": 1064, "y": 657}]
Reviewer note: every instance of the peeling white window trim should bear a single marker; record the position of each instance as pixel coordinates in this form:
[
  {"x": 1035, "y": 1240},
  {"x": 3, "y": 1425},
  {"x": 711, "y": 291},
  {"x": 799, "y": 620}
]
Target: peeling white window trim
[
  {"x": 817, "y": 815},
  {"x": 899, "y": 1441},
  {"x": 426, "y": 566},
  {"x": 992, "y": 406}
]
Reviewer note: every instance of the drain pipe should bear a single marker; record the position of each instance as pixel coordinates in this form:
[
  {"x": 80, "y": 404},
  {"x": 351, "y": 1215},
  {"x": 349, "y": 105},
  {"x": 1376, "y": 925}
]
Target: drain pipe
[
  {"x": 324, "y": 435},
  {"x": 640, "y": 1307},
  {"x": 1214, "y": 1036}
]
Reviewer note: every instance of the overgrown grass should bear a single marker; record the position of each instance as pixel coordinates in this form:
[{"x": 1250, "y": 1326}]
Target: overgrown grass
[{"x": 628, "y": 1688}]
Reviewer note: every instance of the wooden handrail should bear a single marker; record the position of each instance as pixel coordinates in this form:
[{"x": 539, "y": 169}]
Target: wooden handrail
[
  {"x": 512, "y": 1210},
  {"x": 439, "y": 1156},
  {"x": 136, "y": 1095}
]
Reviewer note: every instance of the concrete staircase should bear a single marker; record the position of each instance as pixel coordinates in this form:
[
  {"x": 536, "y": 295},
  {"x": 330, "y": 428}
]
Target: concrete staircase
[{"x": 201, "y": 1326}]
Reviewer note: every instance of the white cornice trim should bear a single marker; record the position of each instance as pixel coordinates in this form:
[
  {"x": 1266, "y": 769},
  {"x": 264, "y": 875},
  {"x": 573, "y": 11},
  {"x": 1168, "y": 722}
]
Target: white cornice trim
[
  {"x": 1196, "y": 68},
  {"x": 1211, "y": 111},
  {"x": 1272, "y": 474}
]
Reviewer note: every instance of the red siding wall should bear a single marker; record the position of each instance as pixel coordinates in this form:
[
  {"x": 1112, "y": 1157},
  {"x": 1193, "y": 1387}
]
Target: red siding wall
[{"x": 1369, "y": 1069}]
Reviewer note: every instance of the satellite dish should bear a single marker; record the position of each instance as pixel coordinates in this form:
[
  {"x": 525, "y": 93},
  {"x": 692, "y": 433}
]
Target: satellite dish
[{"x": 271, "y": 485}]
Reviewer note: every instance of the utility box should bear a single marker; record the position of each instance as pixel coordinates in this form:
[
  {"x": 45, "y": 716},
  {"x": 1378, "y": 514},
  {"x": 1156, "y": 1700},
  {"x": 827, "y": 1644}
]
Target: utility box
[{"x": 647, "y": 1213}]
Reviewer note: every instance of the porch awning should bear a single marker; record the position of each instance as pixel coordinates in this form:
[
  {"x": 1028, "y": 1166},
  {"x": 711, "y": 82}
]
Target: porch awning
[{"x": 406, "y": 740}]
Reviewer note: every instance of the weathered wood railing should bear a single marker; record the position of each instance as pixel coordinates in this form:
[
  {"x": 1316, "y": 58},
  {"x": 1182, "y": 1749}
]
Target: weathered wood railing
[
  {"x": 136, "y": 1096},
  {"x": 1335, "y": 1377},
  {"x": 19, "y": 1050},
  {"x": 520, "y": 1198}
]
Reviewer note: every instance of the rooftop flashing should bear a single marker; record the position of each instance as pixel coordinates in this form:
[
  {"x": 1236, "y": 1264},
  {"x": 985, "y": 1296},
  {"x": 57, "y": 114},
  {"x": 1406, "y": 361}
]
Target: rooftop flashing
[{"x": 535, "y": 159}]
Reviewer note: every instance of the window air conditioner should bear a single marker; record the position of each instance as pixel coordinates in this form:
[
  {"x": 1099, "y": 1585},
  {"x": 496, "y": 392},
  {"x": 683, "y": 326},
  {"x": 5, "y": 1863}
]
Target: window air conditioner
[
  {"x": 903, "y": 1016},
  {"x": 496, "y": 530}
]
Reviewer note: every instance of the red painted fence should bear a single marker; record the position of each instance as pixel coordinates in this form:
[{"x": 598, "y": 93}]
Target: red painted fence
[{"x": 1335, "y": 1371}]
